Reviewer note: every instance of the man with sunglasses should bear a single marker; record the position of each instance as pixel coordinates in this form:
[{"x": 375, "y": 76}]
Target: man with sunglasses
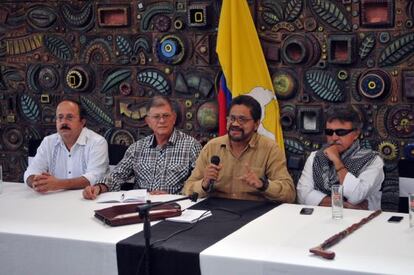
[
  {"x": 160, "y": 162},
  {"x": 252, "y": 166},
  {"x": 342, "y": 161},
  {"x": 72, "y": 158}
]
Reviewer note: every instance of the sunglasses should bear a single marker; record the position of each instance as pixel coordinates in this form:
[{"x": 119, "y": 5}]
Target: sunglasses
[{"x": 338, "y": 132}]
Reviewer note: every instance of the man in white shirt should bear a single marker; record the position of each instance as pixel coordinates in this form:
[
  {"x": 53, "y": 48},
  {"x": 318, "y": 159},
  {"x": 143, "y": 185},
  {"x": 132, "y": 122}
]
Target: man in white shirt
[
  {"x": 342, "y": 161},
  {"x": 73, "y": 158}
]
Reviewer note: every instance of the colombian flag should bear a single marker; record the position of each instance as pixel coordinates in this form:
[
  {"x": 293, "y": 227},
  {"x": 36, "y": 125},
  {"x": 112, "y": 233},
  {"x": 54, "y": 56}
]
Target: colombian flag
[{"x": 244, "y": 66}]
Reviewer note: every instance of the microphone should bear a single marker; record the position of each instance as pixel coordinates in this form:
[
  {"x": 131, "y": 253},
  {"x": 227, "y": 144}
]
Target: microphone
[
  {"x": 216, "y": 161},
  {"x": 193, "y": 197}
]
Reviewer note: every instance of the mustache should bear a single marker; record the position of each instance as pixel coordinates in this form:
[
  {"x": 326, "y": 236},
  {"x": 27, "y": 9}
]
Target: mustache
[
  {"x": 236, "y": 128},
  {"x": 64, "y": 127},
  {"x": 333, "y": 143}
]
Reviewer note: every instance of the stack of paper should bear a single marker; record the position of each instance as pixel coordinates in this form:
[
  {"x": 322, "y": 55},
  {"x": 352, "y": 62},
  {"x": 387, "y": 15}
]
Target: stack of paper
[{"x": 191, "y": 216}]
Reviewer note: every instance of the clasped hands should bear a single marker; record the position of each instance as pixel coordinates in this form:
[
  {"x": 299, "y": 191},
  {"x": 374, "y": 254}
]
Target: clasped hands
[{"x": 45, "y": 182}]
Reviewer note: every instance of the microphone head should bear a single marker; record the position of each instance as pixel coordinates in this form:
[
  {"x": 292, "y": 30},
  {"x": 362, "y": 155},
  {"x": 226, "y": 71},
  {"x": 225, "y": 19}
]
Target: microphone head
[
  {"x": 194, "y": 196},
  {"x": 215, "y": 160}
]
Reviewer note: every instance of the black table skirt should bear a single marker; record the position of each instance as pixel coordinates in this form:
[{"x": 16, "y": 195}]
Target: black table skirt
[{"x": 180, "y": 254}]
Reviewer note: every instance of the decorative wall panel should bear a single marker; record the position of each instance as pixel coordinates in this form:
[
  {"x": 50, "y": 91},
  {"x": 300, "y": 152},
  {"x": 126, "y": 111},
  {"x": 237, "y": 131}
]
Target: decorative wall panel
[{"x": 113, "y": 56}]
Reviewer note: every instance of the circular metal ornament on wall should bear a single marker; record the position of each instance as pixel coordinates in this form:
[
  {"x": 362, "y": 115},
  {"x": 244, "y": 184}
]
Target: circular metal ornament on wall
[
  {"x": 288, "y": 117},
  {"x": 374, "y": 84},
  {"x": 400, "y": 121},
  {"x": 207, "y": 115},
  {"x": 79, "y": 79},
  {"x": 125, "y": 88},
  {"x": 162, "y": 23},
  {"x": 122, "y": 137},
  {"x": 285, "y": 84},
  {"x": 41, "y": 78},
  {"x": 300, "y": 50},
  {"x": 13, "y": 138},
  {"x": 170, "y": 49},
  {"x": 388, "y": 150},
  {"x": 294, "y": 51},
  {"x": 48, "y": 78}
]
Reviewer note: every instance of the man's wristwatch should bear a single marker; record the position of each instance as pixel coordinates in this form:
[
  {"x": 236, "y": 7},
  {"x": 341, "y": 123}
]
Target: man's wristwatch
[{"x": 265, "y": 185}]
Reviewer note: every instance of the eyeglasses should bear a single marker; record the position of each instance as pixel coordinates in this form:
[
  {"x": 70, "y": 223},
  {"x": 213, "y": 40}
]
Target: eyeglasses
[
  {"x": 338, "y": 132},
  {"x": 240, "y": 119},
  {"x": 158, "y": 117},
  {"x": 69, "y": 117}
]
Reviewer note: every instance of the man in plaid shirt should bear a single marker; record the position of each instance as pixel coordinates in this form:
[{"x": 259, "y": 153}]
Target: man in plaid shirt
[{"x": 160, "y": 162}]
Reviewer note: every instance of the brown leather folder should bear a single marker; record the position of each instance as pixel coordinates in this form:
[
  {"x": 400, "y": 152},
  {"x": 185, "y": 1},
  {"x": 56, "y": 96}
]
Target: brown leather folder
[{"x": 127, "y": 213}]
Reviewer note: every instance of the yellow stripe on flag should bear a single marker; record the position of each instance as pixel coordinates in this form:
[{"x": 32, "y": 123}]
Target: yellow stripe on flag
[{"x": 244, "y": 66}]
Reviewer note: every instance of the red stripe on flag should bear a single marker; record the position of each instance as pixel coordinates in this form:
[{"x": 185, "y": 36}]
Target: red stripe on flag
[{"x": 222, "y": 104}]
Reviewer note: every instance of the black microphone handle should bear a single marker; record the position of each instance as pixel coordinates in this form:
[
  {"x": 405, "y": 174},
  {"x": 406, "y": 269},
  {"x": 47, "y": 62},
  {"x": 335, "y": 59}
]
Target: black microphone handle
[{"x": 216, "y": 161}]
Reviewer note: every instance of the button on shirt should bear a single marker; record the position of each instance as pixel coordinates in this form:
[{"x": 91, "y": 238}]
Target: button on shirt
[
  {"x": 154, "y": 167},
  {"x": 88, "y": 157}
]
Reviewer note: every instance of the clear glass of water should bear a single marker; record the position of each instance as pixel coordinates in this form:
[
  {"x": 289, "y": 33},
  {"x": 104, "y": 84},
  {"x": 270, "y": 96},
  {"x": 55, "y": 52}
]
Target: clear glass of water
[
  {"x": 411, "y": 209},
  {"x": 337, "y": 201}
]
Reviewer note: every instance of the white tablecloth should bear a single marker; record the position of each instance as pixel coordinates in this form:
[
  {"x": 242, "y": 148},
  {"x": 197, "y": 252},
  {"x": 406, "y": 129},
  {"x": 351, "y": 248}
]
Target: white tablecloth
[
  {"x": 278, "y": 243},
  {"x": 56, "y": 233}
]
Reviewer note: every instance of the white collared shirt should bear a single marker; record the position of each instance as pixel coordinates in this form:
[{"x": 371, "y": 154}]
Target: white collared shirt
[
  {"x": 88, "y": 157},
  {"x": 356, "y": 189}
]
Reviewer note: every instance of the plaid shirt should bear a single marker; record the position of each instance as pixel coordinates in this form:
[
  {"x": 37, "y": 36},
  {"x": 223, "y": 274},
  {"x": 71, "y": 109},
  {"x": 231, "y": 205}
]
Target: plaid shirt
[{"x": 154, "y": 167}]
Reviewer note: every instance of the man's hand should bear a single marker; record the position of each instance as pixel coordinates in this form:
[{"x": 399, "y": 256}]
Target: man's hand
[
  {"x": 45, "y": 182},
  {"x": 332, "y": 153},
  {"x": 362, "y": 205},
  {"x": 91, "y": 192},
  {"x": 326, "y": 201},
  {"x": 211, "y": 173},
  {"x": 251, "y": 178}
]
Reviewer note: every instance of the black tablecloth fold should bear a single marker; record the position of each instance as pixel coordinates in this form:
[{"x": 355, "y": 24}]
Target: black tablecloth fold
[{"x": 180, "y": 254}]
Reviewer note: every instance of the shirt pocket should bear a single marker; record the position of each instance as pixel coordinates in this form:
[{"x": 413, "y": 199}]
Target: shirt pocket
[
  {"x": 145, "y": 172},
  {"x": 177, "y": 173}
]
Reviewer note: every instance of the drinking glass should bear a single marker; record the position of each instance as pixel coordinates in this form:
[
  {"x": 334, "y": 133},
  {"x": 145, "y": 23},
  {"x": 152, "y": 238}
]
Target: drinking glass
[{"x": 337, "y": 201}]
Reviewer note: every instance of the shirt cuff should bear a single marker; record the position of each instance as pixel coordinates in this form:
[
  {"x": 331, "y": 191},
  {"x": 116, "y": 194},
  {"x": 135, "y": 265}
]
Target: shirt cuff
[
  {"x": 25, "y": 179},
  {"x": 198, "y": 188},
  {"x": 314, "y": 197},
  {"x": 91, "y": 178},
  {"x": 350, "y": 183}
]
